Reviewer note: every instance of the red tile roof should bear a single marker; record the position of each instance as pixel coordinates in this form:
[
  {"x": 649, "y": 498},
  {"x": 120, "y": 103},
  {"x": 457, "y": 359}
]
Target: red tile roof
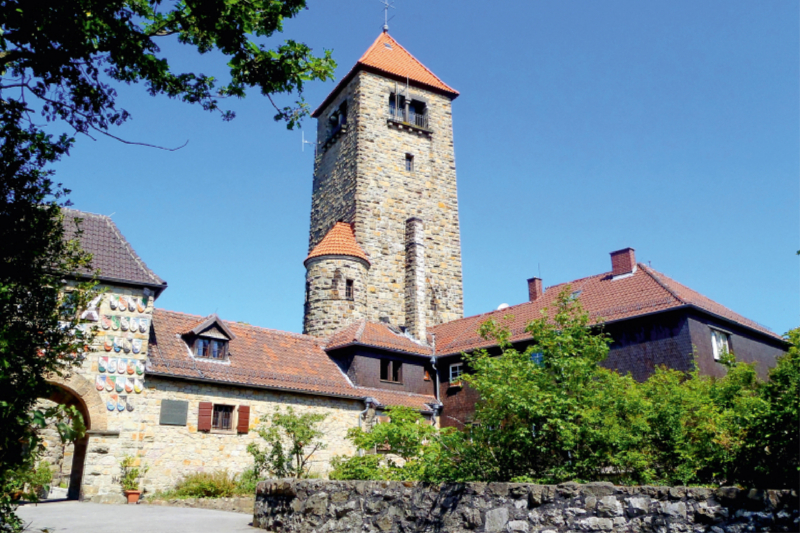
[
  {"x": 340, "y": 240},
  {"x": 386, "y": 56},
  {"x": 378, "y": 335},
  {"x": 604, "y": 298},
  {"x": 263, "y": 358},
  {"x": 111, "y": 253}
]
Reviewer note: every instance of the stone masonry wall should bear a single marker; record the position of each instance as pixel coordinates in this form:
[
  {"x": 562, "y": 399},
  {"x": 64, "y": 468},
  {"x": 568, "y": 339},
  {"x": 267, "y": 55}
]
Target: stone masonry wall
[
  {"x": 284, "y": 506},
  {"x": 327, "y": 308},
  {"x": 173, "y": 451},
  {"x": 113, "y": 433},
  {"x": 360, "y": 177}
]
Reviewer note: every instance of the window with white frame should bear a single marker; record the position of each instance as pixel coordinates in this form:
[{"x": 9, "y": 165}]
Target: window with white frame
[
  {"x": 720, "y": 343},
  {"x": 456, "y": 371}
]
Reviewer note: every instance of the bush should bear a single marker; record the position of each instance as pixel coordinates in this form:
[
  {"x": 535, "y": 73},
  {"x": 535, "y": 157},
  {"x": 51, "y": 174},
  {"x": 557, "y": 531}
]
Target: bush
[
  {"x": 292, "y": 439},
  {"x": 217, "y": 484}
]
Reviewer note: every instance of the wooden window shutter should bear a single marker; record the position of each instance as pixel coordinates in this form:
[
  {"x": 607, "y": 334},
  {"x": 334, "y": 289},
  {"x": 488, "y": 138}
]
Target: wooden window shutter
[
  {"x": 243, "y": 426},
  {"x": 204, "y": 416}
]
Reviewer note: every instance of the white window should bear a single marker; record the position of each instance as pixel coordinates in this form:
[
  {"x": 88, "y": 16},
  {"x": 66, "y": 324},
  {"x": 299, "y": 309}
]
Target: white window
[
  {"x": 455, "y": 374},
  {"x": 720, "y": 342}
]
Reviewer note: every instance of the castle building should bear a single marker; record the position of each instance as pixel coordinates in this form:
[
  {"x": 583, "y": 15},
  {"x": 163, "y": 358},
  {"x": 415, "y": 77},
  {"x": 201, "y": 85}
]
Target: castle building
[
  {"x": 383, "y": 317},
  {"x": 385, "y": 165}
]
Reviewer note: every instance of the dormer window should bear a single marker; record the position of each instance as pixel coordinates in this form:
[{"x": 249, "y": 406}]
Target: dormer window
[
  {"x": 210, "y": 339},
  {"x": 210, "y": 348}
]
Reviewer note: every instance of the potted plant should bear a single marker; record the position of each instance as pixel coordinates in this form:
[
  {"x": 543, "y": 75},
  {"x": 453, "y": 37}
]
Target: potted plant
[{"x": 130, "y": 478}]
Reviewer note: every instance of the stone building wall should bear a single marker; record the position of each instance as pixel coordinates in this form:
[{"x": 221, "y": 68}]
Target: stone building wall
[
  {"x": 361, "y": 177},
  {"x": 327, "y": 307},
  {"x": 111, "y": 433},
  {"x": 170, "y": 451},
  {"x": 284, "y": 506}
]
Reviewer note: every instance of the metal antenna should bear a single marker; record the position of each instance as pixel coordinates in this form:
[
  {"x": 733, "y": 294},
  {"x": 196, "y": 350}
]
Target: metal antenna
[
  {"x": 303, "y": 141},
  {"x": 386, "y": 5}
]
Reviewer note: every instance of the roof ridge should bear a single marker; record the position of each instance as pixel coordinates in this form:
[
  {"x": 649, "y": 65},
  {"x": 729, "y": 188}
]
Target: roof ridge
[
  {"x": 246, "y": 326},
  {"x": 653, "y": 274},
  {"x": 360, "y": 330}
]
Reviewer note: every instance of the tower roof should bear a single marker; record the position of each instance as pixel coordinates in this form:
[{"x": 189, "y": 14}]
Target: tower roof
[
  {"x": 340, "y": 240},
  {"x": 387, "y": 57}
]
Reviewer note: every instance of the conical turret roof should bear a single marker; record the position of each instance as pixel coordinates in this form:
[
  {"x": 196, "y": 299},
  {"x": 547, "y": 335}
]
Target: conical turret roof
[{"x": 340, "y": 240}]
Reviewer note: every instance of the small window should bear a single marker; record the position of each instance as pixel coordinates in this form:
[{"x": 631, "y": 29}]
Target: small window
[
  {"x": 223, "y": 417},
  {"x": 456, "y": 371},
  {"x": 391, "y": 371},
  {"x": 409, "y": 163},
  {"x": 210, "y": 348},
  {"x": 348, "y": 289},
  {"x": 720, "y": 343},
  {"x": 537, "y": 358}
]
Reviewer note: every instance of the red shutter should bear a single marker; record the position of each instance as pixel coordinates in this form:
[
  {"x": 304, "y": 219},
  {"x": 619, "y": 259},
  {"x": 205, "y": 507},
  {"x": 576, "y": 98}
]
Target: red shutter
[
  {"x": 204, "y": 416},
  {"x": 243, "y": 425}
]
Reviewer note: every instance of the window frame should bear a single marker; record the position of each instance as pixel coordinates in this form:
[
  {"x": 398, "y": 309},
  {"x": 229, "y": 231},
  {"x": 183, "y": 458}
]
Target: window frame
[
  {"x": 207, "y": 351},
  {"x": 715, "y": 348},
  {"x": 393, "y": 371},
  {"x": 231, "y": 409},
  {"x": 459, "y": 367},
  {"x": 409, "y": 163},
  {"x": 349, "y": 289}
]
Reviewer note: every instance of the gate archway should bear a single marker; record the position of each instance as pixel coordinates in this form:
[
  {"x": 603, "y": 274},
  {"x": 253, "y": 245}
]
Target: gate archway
[{"x": 75, "y": 390}]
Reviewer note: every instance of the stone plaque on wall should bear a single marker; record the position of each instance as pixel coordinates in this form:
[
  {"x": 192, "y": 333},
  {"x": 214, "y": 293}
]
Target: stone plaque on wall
[{"x": 173, "y": 413}]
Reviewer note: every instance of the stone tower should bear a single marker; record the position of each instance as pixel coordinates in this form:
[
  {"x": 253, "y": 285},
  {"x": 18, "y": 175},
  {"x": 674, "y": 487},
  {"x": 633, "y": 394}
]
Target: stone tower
[{"x": 385, "y": 166}]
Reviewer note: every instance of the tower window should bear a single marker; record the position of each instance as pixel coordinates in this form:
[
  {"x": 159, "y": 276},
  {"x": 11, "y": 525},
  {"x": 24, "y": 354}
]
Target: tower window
[
  {"x": 391, "y": 371},
  {"x": 409, "y": 163},
  {"x": 348, "y": 289}
]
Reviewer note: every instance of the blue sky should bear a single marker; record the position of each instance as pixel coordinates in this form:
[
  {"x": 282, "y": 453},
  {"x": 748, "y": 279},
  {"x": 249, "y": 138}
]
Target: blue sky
[{"x": 582, "y": 127}]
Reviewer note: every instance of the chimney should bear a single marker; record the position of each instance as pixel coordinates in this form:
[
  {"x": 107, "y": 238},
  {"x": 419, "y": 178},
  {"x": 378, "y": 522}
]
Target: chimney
[
  {"x": 623, "y": 262},
  {"x": 415, "y": 278},
  {"x": 535, "y": 289}
]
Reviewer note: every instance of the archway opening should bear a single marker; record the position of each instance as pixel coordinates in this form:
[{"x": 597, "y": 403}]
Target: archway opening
[{"x": 66, "y": 459}]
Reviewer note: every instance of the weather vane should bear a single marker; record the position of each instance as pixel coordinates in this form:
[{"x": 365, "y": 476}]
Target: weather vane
[{"x": 386, "y": 5}]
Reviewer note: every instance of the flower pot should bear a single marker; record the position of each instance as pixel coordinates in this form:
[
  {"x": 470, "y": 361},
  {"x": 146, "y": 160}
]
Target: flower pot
[{"x": 133, "y": 495}]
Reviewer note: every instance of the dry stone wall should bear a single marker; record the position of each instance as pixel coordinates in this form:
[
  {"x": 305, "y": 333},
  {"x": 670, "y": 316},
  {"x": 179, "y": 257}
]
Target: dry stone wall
[{"x": 284, "y": 506}]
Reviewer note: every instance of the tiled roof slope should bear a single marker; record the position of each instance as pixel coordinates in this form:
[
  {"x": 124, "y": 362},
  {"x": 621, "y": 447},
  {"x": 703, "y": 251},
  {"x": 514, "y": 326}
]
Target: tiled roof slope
[
  {"x": 111, "y": 253},
  {"x": 388, "y": 57},
  {"x": 340, "y": 240},
  {"x": 261, "y": 357},
  {"x": 377, "y": 335},
  {"x": 604, "y": 298}
]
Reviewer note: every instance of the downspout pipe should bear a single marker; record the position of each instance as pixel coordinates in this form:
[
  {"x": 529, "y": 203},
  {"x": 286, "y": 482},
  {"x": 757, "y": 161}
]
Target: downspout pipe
[{"x": 436, "y": 390}]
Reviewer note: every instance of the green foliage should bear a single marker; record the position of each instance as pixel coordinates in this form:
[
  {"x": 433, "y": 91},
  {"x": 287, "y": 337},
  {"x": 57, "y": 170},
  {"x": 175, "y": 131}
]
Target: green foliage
[
  {"x": 551, "y": 414},
  {"x": 40, "y": 328},
  {"x": 218, "y": 484},
  {"x": 65, "y": 53},
  {"x": 291, "y": 441},
  {"x": 408, "y": 436},
  {"x": 131, "y": 473}
]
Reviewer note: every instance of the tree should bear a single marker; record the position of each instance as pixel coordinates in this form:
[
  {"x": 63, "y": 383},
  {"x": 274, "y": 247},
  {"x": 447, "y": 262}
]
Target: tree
[
  {"x": 40, "y": 326},
  {"x": 66, "y": 54},
  {"x": 406, "y": 435},
  {"x": 291, "y": 441}
]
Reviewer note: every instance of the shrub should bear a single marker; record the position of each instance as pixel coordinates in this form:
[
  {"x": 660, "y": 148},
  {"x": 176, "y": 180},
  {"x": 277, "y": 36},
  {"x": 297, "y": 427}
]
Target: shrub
[
  {"x": 291, "y": 441},
  {"x": 217, "y": 484}
]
